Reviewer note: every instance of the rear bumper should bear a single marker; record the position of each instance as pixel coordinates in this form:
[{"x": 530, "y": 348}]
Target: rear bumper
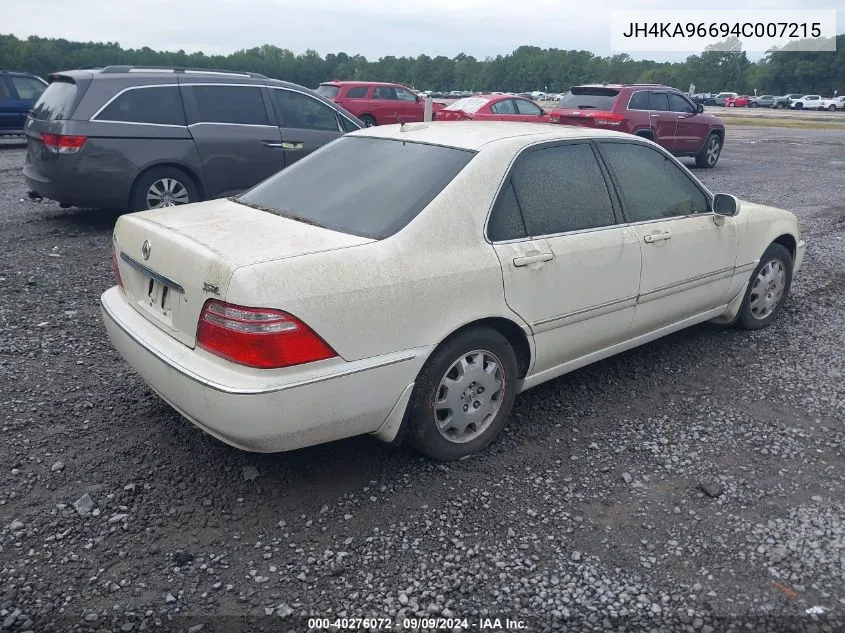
[
  {"x": 76, "y": 188},
  {"x": 261, "y": 410}
]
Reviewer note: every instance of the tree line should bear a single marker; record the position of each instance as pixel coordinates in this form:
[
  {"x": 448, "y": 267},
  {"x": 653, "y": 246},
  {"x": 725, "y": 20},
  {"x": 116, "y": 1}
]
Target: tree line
[{"x": 527, "y": 68}]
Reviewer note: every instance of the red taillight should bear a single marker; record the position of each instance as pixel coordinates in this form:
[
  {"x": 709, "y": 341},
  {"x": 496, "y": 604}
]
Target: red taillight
[
  {"x": 116, "y": 268},
  {"x": 258, "y": 337},
  {"x": 63, "y": 144},
  {"x": 605, "y": 118}
]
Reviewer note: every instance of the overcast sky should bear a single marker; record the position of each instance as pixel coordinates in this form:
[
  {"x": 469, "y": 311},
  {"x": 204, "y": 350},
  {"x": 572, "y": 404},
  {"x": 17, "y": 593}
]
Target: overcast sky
[{"x": 373, "y": 28}]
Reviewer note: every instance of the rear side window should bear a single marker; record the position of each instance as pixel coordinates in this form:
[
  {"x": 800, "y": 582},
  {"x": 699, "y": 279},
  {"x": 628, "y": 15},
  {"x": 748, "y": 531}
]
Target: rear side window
[
  {"x": 588, "y": 98},
  {"x": 659, "y": 101},
  {"x": 28, "y": 88},
  {"x": 161, "y": 105},
  {"x": 506, "y": 221},
  {"x": 57, "y": 101},
  {"x": 296, "y": 110},
  {"x": 639, "y": 101},
  {"x": 357, "y": 92},
  {"x": 230, "y": 104},
  {"x": 561, "y": 189},
  {"x": 328, "y": 91},
  {"x": 362, "y": 201}
]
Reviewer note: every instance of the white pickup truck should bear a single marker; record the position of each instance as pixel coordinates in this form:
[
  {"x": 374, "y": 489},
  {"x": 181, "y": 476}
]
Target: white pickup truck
[
  {"x": 806, "y": 102},
  {"x": 833, "y": 103}
]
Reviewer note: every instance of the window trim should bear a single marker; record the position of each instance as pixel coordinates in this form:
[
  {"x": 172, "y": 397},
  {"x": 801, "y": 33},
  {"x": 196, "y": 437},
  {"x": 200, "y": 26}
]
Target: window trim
[
  {"x": 615, "y": 203},
  {"x": 93, "y": 118},
  {"x": 707, "y": 194}
]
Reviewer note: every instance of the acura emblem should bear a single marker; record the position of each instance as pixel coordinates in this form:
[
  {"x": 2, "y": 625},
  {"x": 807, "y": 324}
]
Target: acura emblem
[{"x": 145, "y": 249}]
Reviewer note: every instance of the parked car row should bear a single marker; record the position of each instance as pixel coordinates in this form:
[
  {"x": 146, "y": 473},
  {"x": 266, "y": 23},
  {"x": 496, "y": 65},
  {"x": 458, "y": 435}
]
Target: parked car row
[{"x": 795, "y": 101}]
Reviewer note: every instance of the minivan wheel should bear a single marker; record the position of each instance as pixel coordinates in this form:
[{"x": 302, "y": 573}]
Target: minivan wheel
[
  {"x": 709, "y": 154},
  {"x": 463, "y": 395},
  {"x": 368, "y": 120},
  {"x": 162, "y": 187}
]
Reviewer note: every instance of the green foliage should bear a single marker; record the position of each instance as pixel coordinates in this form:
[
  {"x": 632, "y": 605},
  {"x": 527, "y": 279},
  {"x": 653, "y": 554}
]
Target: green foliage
[{"x": 725, "y": 67}]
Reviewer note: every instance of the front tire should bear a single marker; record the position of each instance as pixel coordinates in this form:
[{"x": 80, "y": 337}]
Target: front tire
[
  {"x": 368, "y": 119},
  {"x": 463, "y": 395},
  {"x": 767, "y": 289},
  {"x": 709, "y": 154},
  {"x": 161, "y": 187}
]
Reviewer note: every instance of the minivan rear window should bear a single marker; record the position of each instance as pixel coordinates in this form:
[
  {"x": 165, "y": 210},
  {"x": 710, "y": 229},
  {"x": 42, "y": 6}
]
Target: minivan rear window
[
  {"x": 588, "y": 98},
  {"x": 57, "y": 101},
  {"x": 361, "y": 200},
  {"x": 329, "y": 92}
]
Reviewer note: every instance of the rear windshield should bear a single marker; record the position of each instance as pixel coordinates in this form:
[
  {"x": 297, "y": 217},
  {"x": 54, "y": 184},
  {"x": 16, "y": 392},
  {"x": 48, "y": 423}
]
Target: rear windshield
[
  {"x": 370, "y": 187},
  {"x": 329, "y": 92},
  {"x": 588, "y": 98},
  {"x": 470, "y": 104},
  {"x": 56, "y": 102}
]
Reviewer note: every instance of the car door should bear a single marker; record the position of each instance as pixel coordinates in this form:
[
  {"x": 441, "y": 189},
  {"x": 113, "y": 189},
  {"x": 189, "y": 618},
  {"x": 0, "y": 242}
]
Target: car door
[
  {"x": 530, "y": 112},
  {"x": 570, "y": 269},
  {"x": 664, "y": 122},
  {"x": 8, "y": 107},
  {"x": 409, "y": 105},
  {"x": 237, "y": 143},
  {"x": 385, "y": 105},
  {"x": 688, "y": 252},
  {"x": 691, "y": 128},
  {"x": 306, "y": 123}
]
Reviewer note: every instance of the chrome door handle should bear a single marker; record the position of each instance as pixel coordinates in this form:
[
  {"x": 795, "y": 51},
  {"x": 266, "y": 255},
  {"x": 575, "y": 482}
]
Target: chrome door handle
[
  {"x": 270, "y": 144},
  {"x": 527, "y": 260},
  {"x": 655, "y": 116},
  {"x": 657, "y": 237}
]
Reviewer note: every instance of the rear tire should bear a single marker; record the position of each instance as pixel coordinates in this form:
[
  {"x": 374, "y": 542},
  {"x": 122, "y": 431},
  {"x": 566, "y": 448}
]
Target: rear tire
[
  {"x": 161, "y": 187},
  {"x": 368, "y": 119},
  {"x": 463, "y": 395},
  {"x": 831, "y": 108},
  {"x": 709, "y": 154},
  {"x": 767, "y": 289}
]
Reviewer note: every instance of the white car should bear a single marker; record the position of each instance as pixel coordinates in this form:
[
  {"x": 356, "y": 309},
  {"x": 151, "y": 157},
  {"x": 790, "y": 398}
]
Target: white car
[
  {"x": 409, "y": 281},
  {"x": 835, "y": 103},
  {"x": 806, "y": 102}
]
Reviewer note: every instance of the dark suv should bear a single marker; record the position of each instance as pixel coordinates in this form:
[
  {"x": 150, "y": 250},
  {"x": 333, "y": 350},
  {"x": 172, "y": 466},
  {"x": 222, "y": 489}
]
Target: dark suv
[
  {"x": 18, "y": 93},
  {"x": 660, "y": 113},
  {"x": 140, "y": 138}
]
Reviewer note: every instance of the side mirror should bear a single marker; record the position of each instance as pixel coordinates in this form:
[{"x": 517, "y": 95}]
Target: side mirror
[
  {"x": 725, "y": 204},
  {"x": 700, "y": 108}
]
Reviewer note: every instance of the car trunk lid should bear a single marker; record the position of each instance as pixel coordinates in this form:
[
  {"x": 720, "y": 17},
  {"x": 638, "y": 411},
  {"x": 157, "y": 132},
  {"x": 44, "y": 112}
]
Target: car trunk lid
[{"x": 172, "y": 260}]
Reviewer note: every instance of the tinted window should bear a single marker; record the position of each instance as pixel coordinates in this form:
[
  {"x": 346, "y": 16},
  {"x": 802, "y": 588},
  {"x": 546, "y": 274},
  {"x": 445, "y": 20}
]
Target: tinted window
[
  {"x": 161, "y": 105},
  {"x": 651, "y": 185},
  {"x": 527, "y": 107},
  {"x": 361, "y": 200},
  {"x": 504, "y": 107},
  {"x": 297, "y": 110},
  {"x": 27, "y": 88},
  {"x": 639, "y": 101},
  {"x": 506, "y": 220},
  {"x": 230, "y": 104},
  {"x": 348, "y": 126},
  {"x": 659, "y": 101},
  {"x": 588, "y": 99},
  {"x": 56, "y": 102},
  {"x": 384, "y": 92},
  {"x": 679, "y": 104},
  {"x": 4, "y": 91},
  {"x": 329, "y": 92},
  {"x": 405, "y": 95},
  {"x": 358, "y": 92},
  {"x": 561, "y": 189}
]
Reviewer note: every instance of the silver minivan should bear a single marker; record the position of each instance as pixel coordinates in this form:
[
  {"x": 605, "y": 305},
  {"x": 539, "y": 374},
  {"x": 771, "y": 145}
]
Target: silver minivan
[{"x": 122, "y": 137}]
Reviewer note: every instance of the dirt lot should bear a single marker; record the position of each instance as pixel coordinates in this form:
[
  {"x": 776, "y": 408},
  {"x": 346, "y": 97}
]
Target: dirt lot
[{"x": 694, "y": 484}]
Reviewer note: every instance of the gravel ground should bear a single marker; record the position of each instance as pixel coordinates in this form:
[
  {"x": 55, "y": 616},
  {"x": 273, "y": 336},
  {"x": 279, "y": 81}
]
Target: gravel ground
[{"x": 694, "y": 484}]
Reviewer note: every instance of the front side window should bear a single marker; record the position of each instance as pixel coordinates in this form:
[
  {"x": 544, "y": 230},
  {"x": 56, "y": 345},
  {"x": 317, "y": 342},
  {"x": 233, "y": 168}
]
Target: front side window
[
  {"x": 337, "y": 187},
  {"x": 527, "y": 107},
  {"x": 405, "y": 95},
  {"x": 28, "y": 89},
  {"x": 297, "y": 110},
  {"x": 230, "y": 104},
  {"x": 651, "y": 185},
  {"x": 384, "y": 92},
  {"x": 161, "y": 105},
  {"x": 561, "y": 189},
  {"x": 678, "y": 104}
]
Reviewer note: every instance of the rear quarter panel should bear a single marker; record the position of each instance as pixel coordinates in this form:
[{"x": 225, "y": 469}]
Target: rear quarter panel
[{"x": 410, "y": 290}]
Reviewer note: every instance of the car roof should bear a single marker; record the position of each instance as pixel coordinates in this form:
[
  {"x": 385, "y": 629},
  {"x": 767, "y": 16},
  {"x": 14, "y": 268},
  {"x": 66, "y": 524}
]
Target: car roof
[
  {"x": 359, "y": 83},
  {"x": 473, "y": 135},
  {"x": 620, "y": 86}
]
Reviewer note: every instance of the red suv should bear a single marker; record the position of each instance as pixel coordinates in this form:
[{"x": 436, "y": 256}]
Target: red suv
[
  {"x": 376, "y": 103},
  {"x": 660, "y": 113}
]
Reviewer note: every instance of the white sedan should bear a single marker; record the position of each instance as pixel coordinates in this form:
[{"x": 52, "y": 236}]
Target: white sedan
[{"x": 409, "y": 281}]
